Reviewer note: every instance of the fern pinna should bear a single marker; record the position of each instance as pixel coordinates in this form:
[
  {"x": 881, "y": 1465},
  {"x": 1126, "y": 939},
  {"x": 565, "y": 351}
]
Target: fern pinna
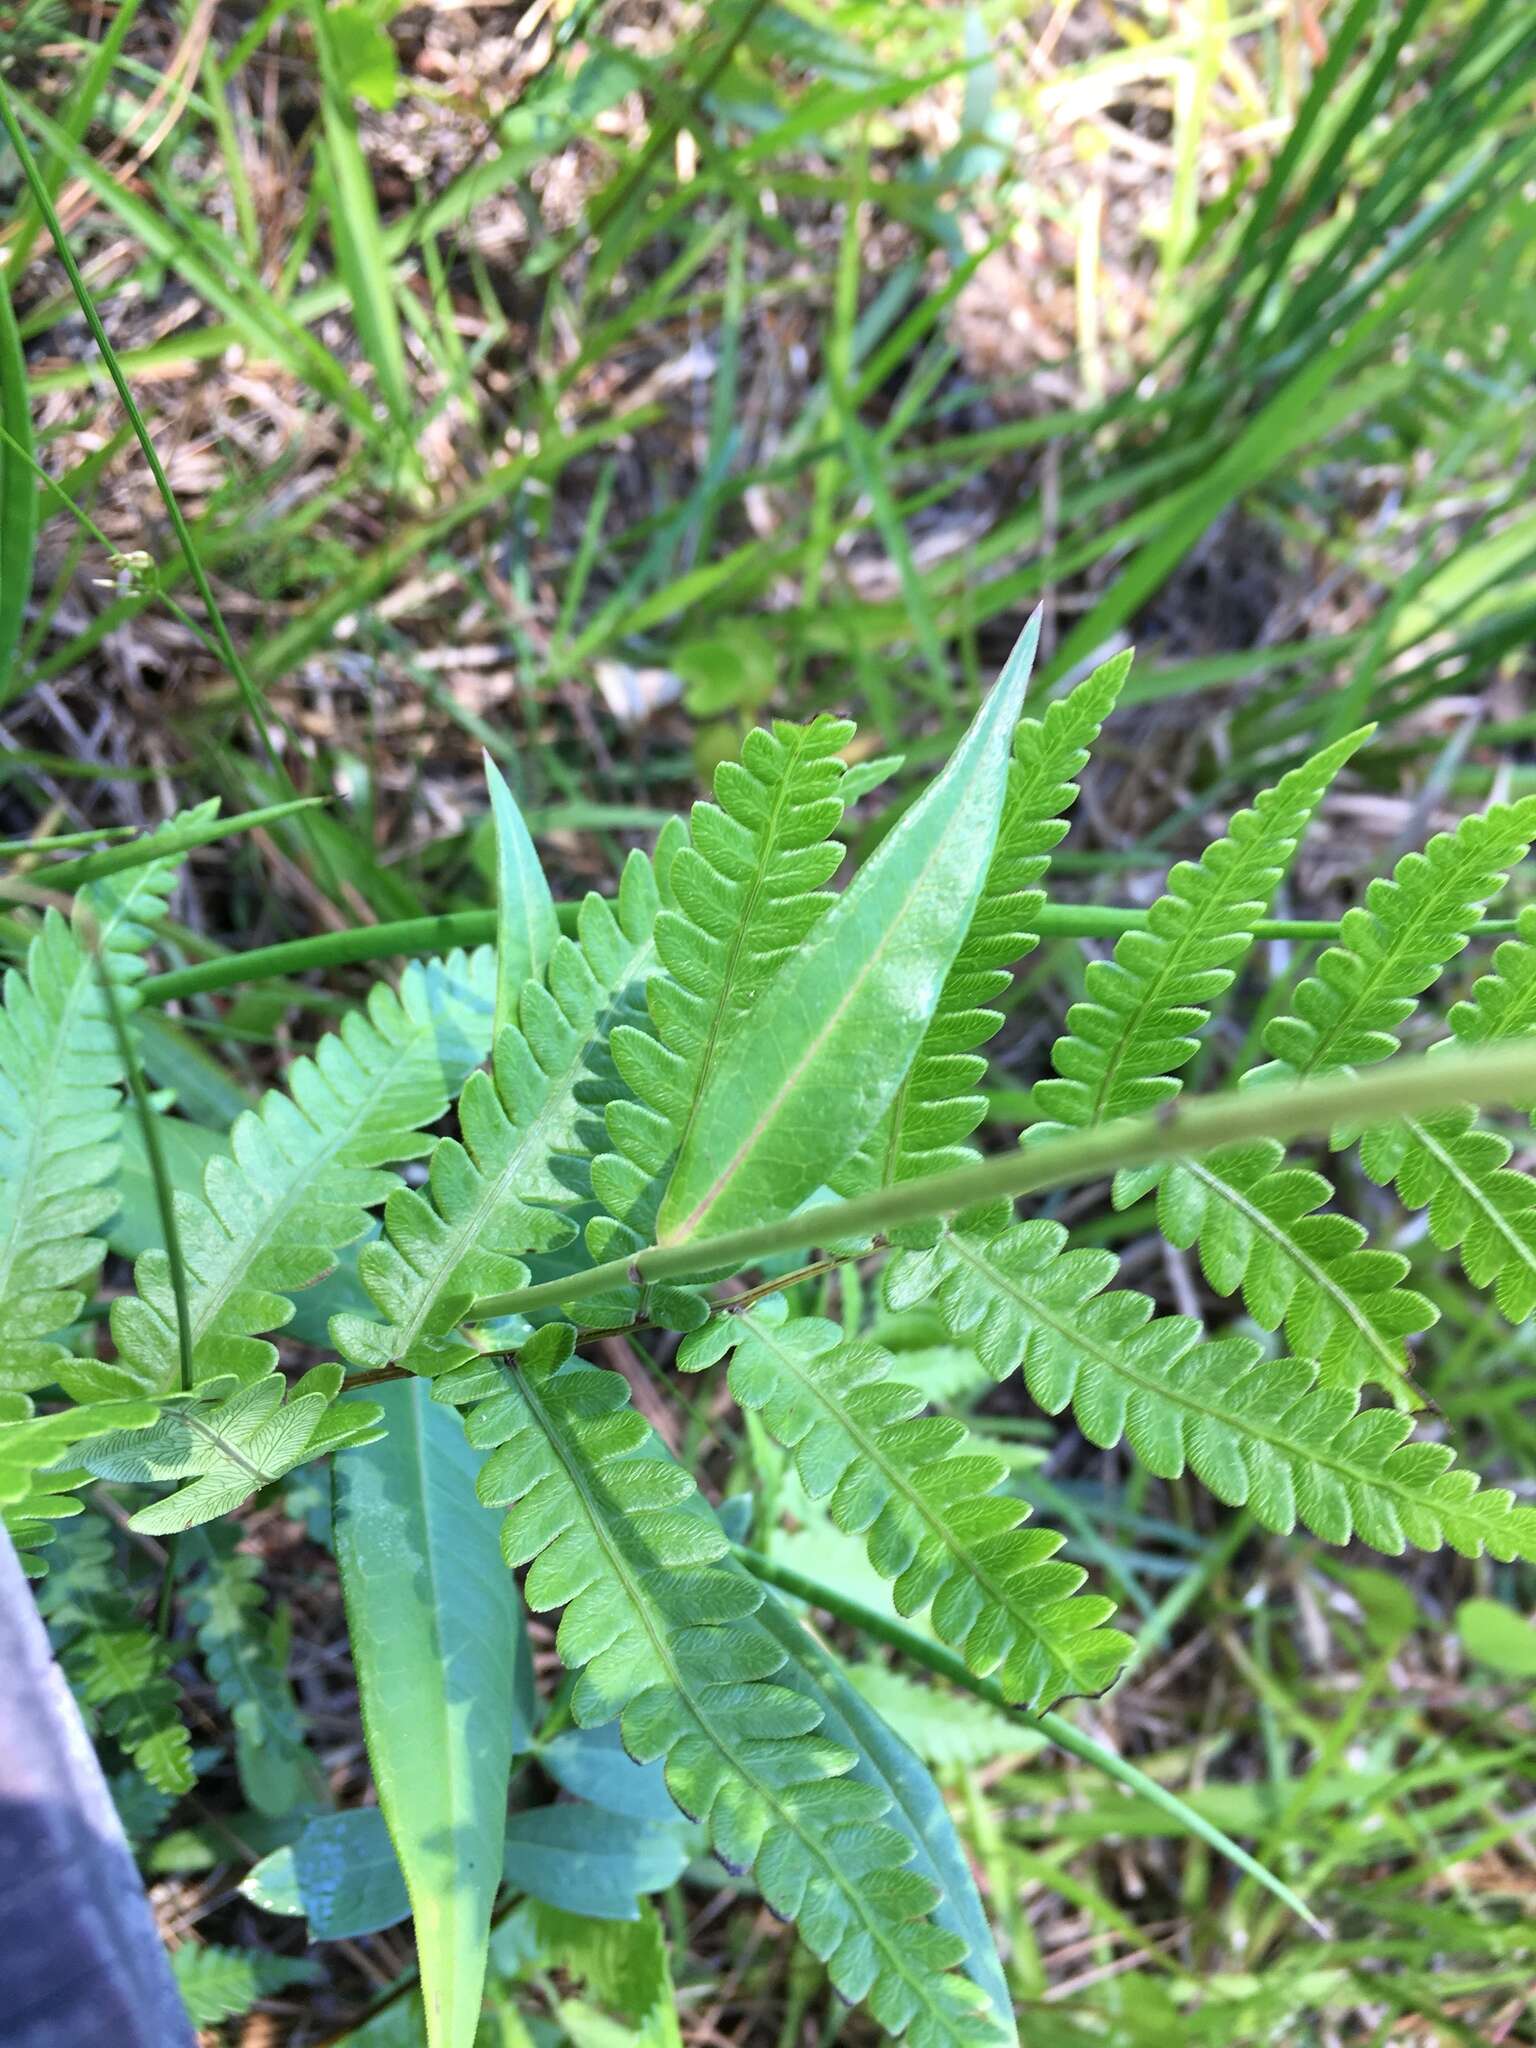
[{"x": 714, "y": 1106}]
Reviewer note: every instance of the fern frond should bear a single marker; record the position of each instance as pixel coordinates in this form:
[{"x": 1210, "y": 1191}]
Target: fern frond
[
  {"x": 1394, "y": 946},
  {"x": 737, "y": 899},
  {"x": 230, "y": 1447},
  {"x": 218, "y": 1984},
  {"x": 244, "y": 1653},
  {"x": 37, "y": 1487},
  {"x": 497, "y": 1197},
  {"x": 1261, "y": 1229},
  {"x": 302, "y": 1172},
  {"x": 1256, "y": 1221},
  {"x": 60, "y": 1105},
  {"x": 1142, "y": 1011},
  {"x": 662, "y": 1629},
  {"x": 923, "y": 1493},
  {"x": 936, "y": 1110},
  {"x": 1258, "y": 1432},
  {"x": 1452, "y": 1166},
  {"x": 118, "y": 1668}
]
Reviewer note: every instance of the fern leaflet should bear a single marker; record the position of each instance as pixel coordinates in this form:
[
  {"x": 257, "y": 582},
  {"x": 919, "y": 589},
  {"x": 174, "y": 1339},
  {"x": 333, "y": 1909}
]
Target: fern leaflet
[
  {"x": 1456, "y": 1169},
  {"x": 1394, "y": 946},
  {"x": 37, "y": 1487},
  {"x": 1260, "y": 1228},
  {"x": 662, "y": 1630},
  {"x": 1142, "y": 1011},
  {"x": 1257, "y": 1432},
  {"x": 244, "y": 1653},
  {"x": 60, "y": 1105},
  {"x": 924, "y": 1494},
  {"x": 227, "y": 1448},
  {"x": 301, "y": 1173},
  {"x": 118, "y": 1668},
  {"x": 218, "y": 1984},
  {"x": 497, "y": 1196}
]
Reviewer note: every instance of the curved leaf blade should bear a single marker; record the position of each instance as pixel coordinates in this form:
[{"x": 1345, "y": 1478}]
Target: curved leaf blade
[
  {"x": 526, "y": 925},
  {"x": 842, "y": 1020},
  {"x": 444, "y": 1678}
]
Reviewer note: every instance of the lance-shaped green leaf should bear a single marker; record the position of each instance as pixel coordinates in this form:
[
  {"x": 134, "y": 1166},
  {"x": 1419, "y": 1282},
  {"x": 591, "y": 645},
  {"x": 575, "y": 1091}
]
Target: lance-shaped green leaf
[
  {"x": 526, "y": 926},
  {"x": 842, "y": 1020},
  {"x": 444, "y": 1679}
]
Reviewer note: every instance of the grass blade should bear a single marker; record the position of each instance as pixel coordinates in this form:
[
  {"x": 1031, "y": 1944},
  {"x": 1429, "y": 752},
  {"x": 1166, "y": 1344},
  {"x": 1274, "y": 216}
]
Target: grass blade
[{"x": 18, "y": 492}]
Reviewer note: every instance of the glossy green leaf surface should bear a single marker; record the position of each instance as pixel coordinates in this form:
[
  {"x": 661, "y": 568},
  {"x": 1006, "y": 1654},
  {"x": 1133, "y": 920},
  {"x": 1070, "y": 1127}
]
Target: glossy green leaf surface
[
  {"x": 444, "y": 1677},
  {"x": 341, "y": 1875},
  {"x": 842, "y": 1020}
]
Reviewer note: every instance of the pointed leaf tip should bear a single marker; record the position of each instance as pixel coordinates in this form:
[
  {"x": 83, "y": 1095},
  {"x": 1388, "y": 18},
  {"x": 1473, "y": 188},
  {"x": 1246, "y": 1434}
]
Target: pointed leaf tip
[
  {"x": 839, "y": 1025},
  {"x": 526, "y": 923}
]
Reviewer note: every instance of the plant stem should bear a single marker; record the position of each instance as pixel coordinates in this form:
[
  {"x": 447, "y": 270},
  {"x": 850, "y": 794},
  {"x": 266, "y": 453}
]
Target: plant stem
[
  {"x": 416, "y": 935},
  {"x": 1406, "y": 1085},
  {"x": 945, "y": 1664}
]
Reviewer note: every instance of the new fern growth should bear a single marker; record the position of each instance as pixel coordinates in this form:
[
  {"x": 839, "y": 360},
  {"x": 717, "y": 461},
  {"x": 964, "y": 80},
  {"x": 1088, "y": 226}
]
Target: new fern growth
[{"x": 659, "y": 1119}]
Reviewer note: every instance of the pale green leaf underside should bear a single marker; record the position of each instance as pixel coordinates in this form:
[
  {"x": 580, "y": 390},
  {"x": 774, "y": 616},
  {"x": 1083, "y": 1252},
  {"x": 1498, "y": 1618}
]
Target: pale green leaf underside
[
  {"x": 438, "y": 1643},
  {"x": 842, "y": 1020},
  {"x": 1259, "y": 1433}
]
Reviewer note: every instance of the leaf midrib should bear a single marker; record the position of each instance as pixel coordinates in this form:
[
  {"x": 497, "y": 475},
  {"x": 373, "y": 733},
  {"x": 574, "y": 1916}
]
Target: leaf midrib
[
  {"x": 1474, "y": 1191},
  {"x": 42, "y": 1133},
  {"x": 1318, "y": 1275},
  {"x": 690, "y": 1223},
  {"x": 1436, "y": 904},
  {"x": 241, "y": 1250},
  {"x": 1196, "y": 933},
  {"x": 737, "y": 944}
]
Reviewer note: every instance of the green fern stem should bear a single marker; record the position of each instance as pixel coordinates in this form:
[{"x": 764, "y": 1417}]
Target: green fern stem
[
  {"x": 1403, "y": 1086},
  {"x": 412, "y": 936}
]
